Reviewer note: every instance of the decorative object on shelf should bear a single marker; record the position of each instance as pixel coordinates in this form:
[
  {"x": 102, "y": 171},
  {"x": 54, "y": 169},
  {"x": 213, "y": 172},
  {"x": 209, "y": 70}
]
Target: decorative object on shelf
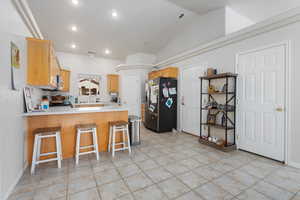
[
  {"x": 211, "y": 118},
  {"x": 223, "y": 120},
  {"x": 211, "y": 105},
  {"x": 211, "y": 71},
  {"x": 212, "y": 89},
  {"x": 228, "y": 121},
  {"x": 224, "y": 88}
]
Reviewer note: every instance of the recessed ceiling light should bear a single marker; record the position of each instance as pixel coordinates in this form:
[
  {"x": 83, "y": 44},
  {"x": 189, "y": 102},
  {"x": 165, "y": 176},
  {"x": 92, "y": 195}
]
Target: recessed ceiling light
[
  {"x": 73, "y": 46},
  {"x": 74, "y": 28},
  {"x": 75, "y": 2},
  {"x": 114, "y": 14},
  {"x": 107, "y": 51}
]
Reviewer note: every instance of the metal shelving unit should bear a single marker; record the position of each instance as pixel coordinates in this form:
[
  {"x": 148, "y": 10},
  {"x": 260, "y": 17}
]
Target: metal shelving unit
[{"x": 230, "y": 101}]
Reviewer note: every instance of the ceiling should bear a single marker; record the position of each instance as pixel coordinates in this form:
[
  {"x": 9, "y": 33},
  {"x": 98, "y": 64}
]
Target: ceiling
[{"x": 142, "y": 26}]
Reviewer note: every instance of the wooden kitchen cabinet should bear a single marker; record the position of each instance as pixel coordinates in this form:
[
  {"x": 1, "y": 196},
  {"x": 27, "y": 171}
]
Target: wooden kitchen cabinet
[
  {"x": 112, "y": 83},
  {"x": 42, "y": 64},
  {"x": 65, "y": 77},
  {"x": 169, "y": 72}
]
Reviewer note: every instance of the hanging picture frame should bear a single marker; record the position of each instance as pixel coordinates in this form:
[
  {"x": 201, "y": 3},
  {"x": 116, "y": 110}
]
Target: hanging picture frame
[{"x": 15, "y": 66}]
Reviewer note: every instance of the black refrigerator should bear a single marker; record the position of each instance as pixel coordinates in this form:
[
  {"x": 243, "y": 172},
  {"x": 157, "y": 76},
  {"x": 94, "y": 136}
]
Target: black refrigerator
[{"x": 161, "y": 106}]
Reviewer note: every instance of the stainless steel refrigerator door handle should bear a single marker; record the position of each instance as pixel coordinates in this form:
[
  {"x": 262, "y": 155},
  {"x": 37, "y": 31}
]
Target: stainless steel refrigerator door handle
[{"x": 182, "y": 100}]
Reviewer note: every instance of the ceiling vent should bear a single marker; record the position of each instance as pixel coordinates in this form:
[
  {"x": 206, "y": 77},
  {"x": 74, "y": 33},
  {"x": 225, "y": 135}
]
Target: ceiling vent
[{"x": 91, "y": 54}]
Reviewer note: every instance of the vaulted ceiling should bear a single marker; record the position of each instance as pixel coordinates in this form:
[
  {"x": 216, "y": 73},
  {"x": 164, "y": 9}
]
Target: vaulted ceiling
[{"x": 141, "y": 26}]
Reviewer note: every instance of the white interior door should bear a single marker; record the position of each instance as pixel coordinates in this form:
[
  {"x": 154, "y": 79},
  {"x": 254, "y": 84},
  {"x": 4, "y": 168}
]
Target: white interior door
[
  {"x": 190, "y": 100},
  {"x": 130, "y": 93},
  {"x": 261, "y": 102}
]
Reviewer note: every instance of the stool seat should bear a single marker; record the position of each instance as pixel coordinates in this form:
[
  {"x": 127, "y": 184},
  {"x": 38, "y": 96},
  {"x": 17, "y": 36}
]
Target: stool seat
[
  {"x": 118, "y": 123},
  {"x": 85, "y": 126},
  {"x": 46, "y": 131}
]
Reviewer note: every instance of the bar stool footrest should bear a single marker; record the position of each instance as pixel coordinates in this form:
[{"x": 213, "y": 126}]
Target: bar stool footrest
[
  {"x": 88, "y": 152},
  {"x": 48, "y": 154},
  {"x": 46, "y": 160},
  {"x": 86, "y": 147}
]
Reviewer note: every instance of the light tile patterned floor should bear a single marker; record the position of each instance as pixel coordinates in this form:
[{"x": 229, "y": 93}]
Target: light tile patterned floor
[{"x": 165, "y": 166}]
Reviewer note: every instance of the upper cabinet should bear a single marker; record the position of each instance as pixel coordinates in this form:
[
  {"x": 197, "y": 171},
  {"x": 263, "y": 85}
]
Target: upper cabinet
[
  {"x": 43, "y": 67},
  {"x": 169, "y": 72},
  {"x": 112, "y": 83},
  {"x": 65, "y": 78}
]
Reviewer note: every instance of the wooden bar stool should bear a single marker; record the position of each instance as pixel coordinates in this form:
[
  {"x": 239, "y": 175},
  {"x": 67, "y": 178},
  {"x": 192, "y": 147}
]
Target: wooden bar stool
[
  {"x": 115, "y": 127},
  {"x": 86, "y": 128},
  {"x": 40, "y": 134}
]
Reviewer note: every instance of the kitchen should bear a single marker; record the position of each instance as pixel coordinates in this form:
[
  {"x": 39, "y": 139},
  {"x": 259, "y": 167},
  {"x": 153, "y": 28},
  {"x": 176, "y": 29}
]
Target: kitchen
[{"x": 186, "y": 102}]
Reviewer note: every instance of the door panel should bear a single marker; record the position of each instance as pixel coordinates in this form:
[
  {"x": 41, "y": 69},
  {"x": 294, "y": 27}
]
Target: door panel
[
  {"x": 131, "y": 94},
  {"x": 190, "y": 97},
  {"x": 261, "y": 91}
]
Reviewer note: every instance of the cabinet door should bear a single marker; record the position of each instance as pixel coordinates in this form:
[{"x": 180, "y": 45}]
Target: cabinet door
[
  {"x": 54, "y": 68},
  {"x": 65, "y": 76},
  {"x": 38, "y": 60},
  {"x": 113, "y": 83}
]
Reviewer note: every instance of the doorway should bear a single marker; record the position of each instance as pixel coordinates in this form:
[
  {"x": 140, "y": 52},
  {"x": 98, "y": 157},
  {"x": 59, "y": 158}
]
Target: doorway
[
  {"x": 262, "y": 101},
  {"x": 190, "y": 100}
]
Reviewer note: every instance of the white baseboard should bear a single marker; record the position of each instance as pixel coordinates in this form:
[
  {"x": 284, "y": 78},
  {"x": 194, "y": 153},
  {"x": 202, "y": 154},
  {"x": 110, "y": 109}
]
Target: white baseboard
[
  {"x": 12, "y": 187},
  {"x": 294, "y": 164}
]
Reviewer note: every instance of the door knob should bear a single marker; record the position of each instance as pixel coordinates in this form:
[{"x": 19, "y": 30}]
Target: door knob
[{"x": 279, "y": 109}]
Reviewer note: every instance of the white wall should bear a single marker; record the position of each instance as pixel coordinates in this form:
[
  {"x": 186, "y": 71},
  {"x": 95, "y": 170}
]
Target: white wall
[
  {"x": 224, "y": 60},
  {"x": 204, "y": 29},
  {"x": 82, "y": 64},
  {"x": 235, "y": 21},
  {"x": 259, "y": 10},
  {"x": 13, "y": 129}
]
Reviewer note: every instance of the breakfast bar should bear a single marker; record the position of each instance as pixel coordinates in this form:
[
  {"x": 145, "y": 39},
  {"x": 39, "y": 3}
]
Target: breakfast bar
[{"x": 67, "y": 118}]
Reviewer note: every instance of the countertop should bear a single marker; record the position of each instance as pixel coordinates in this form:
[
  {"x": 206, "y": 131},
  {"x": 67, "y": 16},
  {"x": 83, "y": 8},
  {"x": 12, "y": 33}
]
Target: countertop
[{"x": 68, "y": 110}]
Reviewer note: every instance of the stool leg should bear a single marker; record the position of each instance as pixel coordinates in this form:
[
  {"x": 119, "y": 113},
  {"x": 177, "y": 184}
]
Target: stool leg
[
  {"x": 95, "y": 141},
  {"x": 109, "y": 139},
  {"x": 113, "y": 141},
  {"x": 34, "y": 154},
  {"x": 128, "y": 139},
  {"x": 124, "y": 139},
  {"x": 58, "y": 149},
  {"x": 77, "y": 146},
  {"x": 39, "y": 149}
]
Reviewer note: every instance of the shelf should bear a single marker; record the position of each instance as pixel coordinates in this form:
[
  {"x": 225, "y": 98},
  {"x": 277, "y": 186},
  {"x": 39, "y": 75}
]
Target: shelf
[
  {"x": 228, "y": 148},
  {"x": 218, "y": 126},
  {"x": 219, "y": 76},
  {"x": 217, "y": 93}
]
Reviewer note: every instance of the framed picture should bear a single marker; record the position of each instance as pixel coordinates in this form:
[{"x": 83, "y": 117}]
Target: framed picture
[
  {"x": 15, "y": 66},
  {"x": 211, "y": 119},
  {"x": 28, "y": 99}
]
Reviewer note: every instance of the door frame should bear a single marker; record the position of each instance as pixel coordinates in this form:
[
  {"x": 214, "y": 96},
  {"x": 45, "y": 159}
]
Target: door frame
[
  {"x": 287, "y": 103},
  {"x": 179, "y": 105}
]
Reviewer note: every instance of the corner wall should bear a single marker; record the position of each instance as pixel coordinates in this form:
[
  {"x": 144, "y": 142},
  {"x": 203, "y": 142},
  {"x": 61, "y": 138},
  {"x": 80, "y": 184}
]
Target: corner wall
[{"x": 13, "y": 129}]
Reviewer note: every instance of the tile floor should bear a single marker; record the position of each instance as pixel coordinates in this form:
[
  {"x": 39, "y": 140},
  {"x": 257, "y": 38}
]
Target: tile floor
[{"x": 165, "y": 166}]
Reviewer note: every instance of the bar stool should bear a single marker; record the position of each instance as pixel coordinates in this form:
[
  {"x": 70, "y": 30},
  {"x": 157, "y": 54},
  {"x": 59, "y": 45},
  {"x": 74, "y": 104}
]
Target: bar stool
[
  {"x": 43, "y": 133},
  {"x": 115, "y": 127},
  {"x": 86, "y": 128}
]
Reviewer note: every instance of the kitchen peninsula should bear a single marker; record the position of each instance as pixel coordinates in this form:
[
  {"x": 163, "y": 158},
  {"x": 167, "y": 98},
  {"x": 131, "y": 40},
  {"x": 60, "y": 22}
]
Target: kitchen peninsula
[{"x": 67, "y": 118}]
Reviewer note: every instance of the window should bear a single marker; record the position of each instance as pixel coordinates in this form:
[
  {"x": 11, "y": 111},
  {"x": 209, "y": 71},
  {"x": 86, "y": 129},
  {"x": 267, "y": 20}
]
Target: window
[{"x": 89, "y": 88}]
